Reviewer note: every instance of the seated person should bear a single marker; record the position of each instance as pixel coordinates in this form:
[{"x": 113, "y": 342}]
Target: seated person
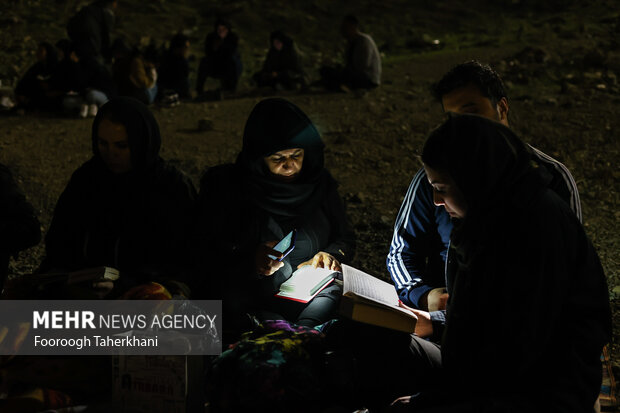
[
  {"x": 362, "y": 68},
  {"x": 222, "y": 60},
  {"x": 124, "y": 208},
  {"x": 282, "y": 68},
  {"x": 31, "y": 90},
  {"x": 98, "y": 86},
  {"x": 422, "y": 230},
  {"x": 174, "y": 68},
  {"x": 133, "y": 75},
  {"x": 68, "y": 81},
  {"x": 278, "y": 184},
  {"x": 19, "y": 225},
  {"x": 528, "y": 312}
]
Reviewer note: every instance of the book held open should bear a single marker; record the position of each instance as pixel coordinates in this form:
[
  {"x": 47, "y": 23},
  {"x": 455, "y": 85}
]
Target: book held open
[
  {"x": 305, "y": 283},
  {"x": 372, "y": 301}
]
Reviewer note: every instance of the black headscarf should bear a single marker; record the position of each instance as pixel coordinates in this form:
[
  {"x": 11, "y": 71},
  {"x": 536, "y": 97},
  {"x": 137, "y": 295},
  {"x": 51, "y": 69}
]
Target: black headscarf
[
  {"x": 142, "y": 131},
  {"x": 287, "y": 42},
  {"x": 489, "y": 164},
  {"x": 221, "y": 22},
  {"x": 276, "y": 124}
]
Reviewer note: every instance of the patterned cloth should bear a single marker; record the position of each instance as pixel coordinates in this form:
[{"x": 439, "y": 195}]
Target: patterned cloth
[
  {"x": 607, "y": 397},
  {"x": 276, "y": 368}
]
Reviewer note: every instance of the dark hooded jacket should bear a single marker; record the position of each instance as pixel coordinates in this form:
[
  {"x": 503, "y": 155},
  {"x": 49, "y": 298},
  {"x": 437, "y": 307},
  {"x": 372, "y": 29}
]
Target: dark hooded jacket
[
  {"x": 136, "y": 222},
  {"x": 242, "y": 205},
  {"x": 528, "y": 313},
  {"x": 90, "y": 30},
  {"x": 221, "y": 50},
  {"x": 36, "y": 81},
  {"x": 286, "y": 62}
]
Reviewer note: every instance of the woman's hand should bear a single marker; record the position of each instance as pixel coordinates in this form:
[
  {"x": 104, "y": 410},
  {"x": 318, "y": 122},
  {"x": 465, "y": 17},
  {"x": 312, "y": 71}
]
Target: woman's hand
[
  {"x": 424, "y": 326},
  {"x": 323, "y": 260},
  {"x": 102, "y": 288},
  {"x": 265, "y": 265},
  {"x": 402, "y": 404}
]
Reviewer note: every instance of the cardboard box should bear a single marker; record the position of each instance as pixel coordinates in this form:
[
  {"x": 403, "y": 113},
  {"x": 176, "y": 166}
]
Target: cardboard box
[{"x": 153, "y": 384}]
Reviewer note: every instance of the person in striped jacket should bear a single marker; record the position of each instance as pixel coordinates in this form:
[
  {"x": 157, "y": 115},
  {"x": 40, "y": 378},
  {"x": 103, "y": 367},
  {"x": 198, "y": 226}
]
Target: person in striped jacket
[{"x": 419, "y": 246}]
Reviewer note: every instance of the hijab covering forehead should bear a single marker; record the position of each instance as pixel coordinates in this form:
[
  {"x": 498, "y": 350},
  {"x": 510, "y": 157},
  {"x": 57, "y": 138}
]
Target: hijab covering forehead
[
  {"x": 142, "y": 130},
  {"x": 279, "y": 34},
  {"x": 274, "y": 125},
  {"x": 483, "y": 157}
]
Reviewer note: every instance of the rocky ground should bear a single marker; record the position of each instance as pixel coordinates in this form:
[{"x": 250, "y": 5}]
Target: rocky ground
[{"x": 560, "y": 61}]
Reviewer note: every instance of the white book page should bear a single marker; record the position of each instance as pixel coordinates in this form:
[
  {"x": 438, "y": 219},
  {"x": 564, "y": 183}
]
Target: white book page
[
  {"x": 305, "y": 279},
  {"x": 369, "y": 287}
]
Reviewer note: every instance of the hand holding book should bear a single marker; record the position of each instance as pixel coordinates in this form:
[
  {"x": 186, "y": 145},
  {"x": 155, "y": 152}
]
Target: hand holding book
[
  {"x": 423, "y": 325},
  {"x": 323, "y": 260}
]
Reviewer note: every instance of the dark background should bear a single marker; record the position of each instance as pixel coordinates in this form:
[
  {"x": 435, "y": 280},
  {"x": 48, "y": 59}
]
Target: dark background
[{"x": 560, "y": 61}]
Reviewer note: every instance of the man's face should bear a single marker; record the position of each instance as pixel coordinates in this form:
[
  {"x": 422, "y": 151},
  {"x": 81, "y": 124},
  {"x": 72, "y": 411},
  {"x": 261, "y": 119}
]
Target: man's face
[
  {"x": 469, "y": 99},
  {"x": 347, "y": 30}
]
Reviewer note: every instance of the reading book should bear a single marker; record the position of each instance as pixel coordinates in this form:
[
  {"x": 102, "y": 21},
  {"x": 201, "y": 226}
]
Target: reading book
[
  {"x": 305, "y": 283},
  {"x": 372, "y": 301}
]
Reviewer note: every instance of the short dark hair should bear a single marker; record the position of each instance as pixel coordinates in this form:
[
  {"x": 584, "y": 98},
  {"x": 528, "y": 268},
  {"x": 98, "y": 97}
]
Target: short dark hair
[
  {"x": 487, "y": 80},
  {"x": 178, "y": 41},
  {"x": 351, "y": 19}
]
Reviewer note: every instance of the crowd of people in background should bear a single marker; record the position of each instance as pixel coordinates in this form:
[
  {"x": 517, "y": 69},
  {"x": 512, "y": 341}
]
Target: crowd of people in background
[
  {"x": 80, "y": 73},
  {"x": 488, "y": 251}
]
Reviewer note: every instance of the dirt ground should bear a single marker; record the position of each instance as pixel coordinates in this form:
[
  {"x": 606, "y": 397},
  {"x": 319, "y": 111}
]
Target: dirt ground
[{"x": 561, "y": 63}]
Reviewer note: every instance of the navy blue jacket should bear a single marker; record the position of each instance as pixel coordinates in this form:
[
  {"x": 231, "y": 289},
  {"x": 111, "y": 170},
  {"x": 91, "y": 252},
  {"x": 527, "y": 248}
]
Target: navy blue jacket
[{"x": 422, "y": 230}]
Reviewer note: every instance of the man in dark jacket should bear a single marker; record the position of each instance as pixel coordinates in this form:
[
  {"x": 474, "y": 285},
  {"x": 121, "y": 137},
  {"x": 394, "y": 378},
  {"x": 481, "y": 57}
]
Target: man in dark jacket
[
  {"x": 174, "y": 68},
  {"x": 90, "y": 29},
  {"x": 19, "y": 226}
]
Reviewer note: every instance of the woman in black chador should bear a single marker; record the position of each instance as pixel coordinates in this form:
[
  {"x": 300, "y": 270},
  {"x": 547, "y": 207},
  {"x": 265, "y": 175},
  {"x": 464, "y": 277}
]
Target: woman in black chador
[
  {"x": 126, "y": 207},
  {"x": 222, "y": 60},
  {"x": 278, "y": 184},
  {"x": 528, "y": 311},
  {"x": 282, "y": 67}
]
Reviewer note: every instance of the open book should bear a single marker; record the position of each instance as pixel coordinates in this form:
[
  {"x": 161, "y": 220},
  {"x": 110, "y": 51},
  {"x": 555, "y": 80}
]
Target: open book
[
  {"x": 372, "y": 301},
  {"x": 305, "y": 283},
  {"x": 75, "y": 277}
]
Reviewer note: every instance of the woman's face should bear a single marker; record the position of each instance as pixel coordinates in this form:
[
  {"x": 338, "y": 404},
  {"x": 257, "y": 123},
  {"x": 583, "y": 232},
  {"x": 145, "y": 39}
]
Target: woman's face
[
  {"x": 446, "y": 193},
  {"x": 113, "y": 145},
  {"x": 286, "y": 164},
  {"x": 222, "y": 31},
  {"x": 277, "y": 44}
]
